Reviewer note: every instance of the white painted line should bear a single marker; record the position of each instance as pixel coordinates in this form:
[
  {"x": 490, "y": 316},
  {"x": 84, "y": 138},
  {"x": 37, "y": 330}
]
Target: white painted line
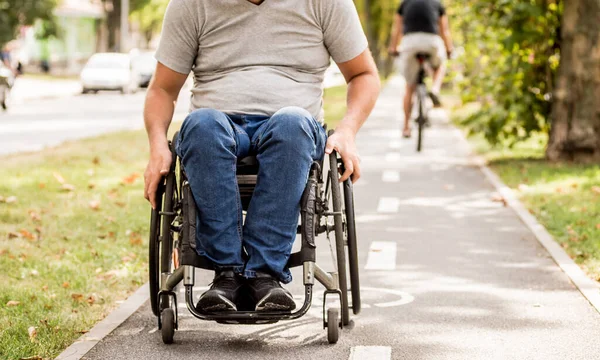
[
  {"x": 370, "y": 353},
  {"x": 391, "y": 176},
  {"x": 86, "y": 342},
  {"x": 395, "y": 144},
  {"x": 589, "y": 288},
  {"x": 382, "y": 256},
  {"x": 392, "y": 157},
  {"x": 388, "y": 205}
]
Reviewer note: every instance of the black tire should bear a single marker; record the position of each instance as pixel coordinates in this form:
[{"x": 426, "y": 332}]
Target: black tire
[
  {"x": 340, "y": 245},
  {"x": 166, "y": 235},
  {"x": 154, "y": 253},
  {"x": 333, "y": 326},
  {"x": 420, "y": 122},
  {"x": 168, "y": 325},
  {"x": 352, "y": 246}
]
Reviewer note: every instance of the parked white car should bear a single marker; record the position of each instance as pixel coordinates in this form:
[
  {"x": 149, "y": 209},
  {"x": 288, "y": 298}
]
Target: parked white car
[{"x": 109, "y": 71}]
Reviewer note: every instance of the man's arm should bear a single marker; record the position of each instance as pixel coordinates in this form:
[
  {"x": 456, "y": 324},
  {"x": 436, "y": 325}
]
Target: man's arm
[
  {"x": 363, "y": 89},
  {"x": 396, "y": 34},
  {"x": 158, "y": 111},
  {"x": 445, "y": 34}
]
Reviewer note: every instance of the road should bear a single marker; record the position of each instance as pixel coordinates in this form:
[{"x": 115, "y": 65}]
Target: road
[
  {"x": 447, "y": 273},
  {"x": 37, "y": 123}
]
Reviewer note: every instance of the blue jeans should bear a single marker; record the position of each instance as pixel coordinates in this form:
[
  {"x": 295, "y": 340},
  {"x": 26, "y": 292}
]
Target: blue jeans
[{"x": 209, "y": 144}]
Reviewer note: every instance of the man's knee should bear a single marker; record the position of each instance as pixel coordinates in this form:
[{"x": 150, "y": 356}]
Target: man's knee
[
  {"x": 203, "y": 126},
  {"x": 292, "y": 120},
  {"x": 205, "y": 120}
]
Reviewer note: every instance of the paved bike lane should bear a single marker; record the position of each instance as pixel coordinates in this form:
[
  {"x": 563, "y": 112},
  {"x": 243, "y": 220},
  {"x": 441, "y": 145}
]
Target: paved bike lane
[{"x": 447, "y": 273}]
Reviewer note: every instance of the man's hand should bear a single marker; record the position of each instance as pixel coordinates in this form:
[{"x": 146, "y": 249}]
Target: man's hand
[
  {"x": 343, "y": 142},
  {"x": 158, "y": 166}
]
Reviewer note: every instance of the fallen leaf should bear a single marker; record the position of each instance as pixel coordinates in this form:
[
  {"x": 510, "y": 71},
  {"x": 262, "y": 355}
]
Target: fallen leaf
[
  {"x": 4, "y": 251},
  {"x": 11, "y": 200},
  {"x": 67, "y": 187},
  {"x": 27, "y": 235},
  {"x": 59, "y": 177},
  {"x": 120, "y": 203},
  {"x": 91, "y": 186},
  {"x": 13, "y": 235},
  {"x": 595, "y": 190},
  {"x": 77, "y": 297},
  {"x": 130, "y": 179},
  {"x": 499, "y": 198},
  {"x": 35, "y": 216},
  {"x": 32, "y": 333},
  {"x": 66, "y": 285},
  {"x": 94, "y": 204},
  {"x": 42, "y": 185},
  {"x": 559, "y": 190},
  {"x": 90, "y": 300},
  {"x": 96, "y": 160},
  {"x": 575, "y": 185},
  {"x": 83, "y": 331},
  {"x": 13, "y": 303},
  {"x": 597, "y": 226},
  {"x": 45, "y": 288},
  {"x": 135, "y": 239}
]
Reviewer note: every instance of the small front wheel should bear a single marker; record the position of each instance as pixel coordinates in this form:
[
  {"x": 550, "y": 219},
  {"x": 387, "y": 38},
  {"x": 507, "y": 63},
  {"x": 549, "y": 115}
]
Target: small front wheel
[
  {"x": 333, "y": 326},
  {"x": 168, "y": 325}
]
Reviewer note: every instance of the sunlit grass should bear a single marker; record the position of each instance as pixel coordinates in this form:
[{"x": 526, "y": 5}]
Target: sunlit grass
[{"x": 73, "y": 236}]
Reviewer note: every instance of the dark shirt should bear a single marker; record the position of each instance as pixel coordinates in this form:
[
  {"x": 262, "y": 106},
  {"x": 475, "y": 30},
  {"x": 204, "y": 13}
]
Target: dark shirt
[{"x": 421, "y": 15}]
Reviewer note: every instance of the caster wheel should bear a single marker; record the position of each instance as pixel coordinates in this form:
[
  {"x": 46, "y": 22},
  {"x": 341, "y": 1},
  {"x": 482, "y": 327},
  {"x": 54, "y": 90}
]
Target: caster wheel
[
  {"x": 168, "y": 325},
  {"x": 333, "y": 326}
]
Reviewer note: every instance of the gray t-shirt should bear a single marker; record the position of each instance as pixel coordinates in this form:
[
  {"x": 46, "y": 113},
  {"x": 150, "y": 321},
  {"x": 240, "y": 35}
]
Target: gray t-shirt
[{"x": 257, "y": 59}]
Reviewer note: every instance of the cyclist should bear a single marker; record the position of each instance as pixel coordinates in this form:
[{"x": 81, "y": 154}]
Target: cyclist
[
  {"x": 421, "y": 26},
  {"x": 258, "y": 69}
]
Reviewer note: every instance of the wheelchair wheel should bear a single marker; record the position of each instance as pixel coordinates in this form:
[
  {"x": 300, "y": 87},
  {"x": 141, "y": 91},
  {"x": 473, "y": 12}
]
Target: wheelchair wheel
[
  {"x": 154, "y": 253},
  {"x": 161, "y": 239},
  {"x": 333, "y": 326},
  {"x": 339, "y": 235},
  {"x": 168, "y": 325},
  {"x": 352, "y": 246}
]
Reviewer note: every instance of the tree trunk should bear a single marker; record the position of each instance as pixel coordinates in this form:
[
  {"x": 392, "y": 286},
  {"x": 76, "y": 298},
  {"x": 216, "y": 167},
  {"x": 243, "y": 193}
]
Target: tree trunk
[{"x": 575, "y": 132}]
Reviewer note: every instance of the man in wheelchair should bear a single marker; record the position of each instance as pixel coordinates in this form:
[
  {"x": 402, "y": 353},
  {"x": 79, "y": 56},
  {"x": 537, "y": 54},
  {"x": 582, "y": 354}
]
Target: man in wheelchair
[{"x": 258, "y": 71}]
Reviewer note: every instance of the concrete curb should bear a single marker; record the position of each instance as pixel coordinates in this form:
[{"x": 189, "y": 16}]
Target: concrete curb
[
  {"x": 86, "y": 342},
  {"x": 589, "y": 288}
]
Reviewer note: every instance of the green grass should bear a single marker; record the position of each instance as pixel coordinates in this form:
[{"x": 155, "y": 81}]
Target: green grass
[
  {"x": 565, "y": 197},
  {"x": 67, "y": 256}
]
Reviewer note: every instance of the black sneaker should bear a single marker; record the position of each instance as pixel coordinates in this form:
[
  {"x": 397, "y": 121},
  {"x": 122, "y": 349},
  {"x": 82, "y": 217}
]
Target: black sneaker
[
  {"x": 268, "y": 294},
  {"x": 223, "y": 293}
]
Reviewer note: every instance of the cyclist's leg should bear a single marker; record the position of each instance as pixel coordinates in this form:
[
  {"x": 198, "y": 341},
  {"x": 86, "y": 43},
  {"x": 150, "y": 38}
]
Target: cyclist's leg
[{"x": 408, "y": 99}]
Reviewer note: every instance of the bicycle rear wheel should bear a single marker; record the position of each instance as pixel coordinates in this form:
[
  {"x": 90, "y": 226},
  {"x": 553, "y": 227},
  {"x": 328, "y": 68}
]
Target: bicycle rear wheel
[{"x": 421, "y": 93}]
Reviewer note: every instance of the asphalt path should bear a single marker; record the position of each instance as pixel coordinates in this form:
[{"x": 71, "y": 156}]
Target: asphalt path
[{"x": 447, "y": 272}]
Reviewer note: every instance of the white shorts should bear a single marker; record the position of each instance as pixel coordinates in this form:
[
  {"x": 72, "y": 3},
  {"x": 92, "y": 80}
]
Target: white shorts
[{"x": 415, "y": 43}]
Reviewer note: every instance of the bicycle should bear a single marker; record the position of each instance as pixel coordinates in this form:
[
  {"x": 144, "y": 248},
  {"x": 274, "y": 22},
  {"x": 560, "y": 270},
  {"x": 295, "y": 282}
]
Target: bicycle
[{"x": 422, "y": 94}]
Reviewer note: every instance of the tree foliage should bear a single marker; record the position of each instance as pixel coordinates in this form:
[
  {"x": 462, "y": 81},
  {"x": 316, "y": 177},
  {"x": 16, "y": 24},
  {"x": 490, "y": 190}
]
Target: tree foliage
[
  {"x": 512, "y": 53},
  {"x": 17, "y": 13},
  {"x": 150, "y": 17}
]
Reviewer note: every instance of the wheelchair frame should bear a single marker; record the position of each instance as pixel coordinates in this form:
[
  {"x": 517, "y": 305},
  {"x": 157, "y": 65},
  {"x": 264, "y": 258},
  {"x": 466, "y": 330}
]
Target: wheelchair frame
[{"x": 173, "y": 257}]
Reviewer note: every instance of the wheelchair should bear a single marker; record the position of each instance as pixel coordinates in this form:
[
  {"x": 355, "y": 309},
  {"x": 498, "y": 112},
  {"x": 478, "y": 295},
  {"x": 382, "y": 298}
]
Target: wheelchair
[{"x": 326, "y": 207}]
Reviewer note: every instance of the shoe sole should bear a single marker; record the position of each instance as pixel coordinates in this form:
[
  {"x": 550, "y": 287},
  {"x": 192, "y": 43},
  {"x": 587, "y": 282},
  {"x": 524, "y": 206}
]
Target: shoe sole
[
  {"x": 276, "y": 301},
  {"x": 215, "y": 303}
]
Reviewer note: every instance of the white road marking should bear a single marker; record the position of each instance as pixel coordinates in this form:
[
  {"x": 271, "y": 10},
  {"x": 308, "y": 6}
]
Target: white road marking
[
  {"x": 395, "y": 144},
  {"x": 391, "y": 176},
  {"x": 370, "y": 353},
  {"x": 382, "y": 256},
  {"x": 388, "y": 205},
  {"x": 392, "y": 157}
]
